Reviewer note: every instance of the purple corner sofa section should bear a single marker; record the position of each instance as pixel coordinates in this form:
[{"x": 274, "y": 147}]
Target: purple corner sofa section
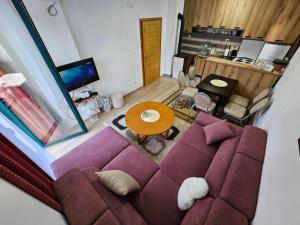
[{"x": 232, "y": 169}]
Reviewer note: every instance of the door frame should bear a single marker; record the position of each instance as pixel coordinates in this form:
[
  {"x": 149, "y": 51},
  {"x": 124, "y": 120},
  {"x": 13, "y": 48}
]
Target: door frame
[{"x": 142, "y": 40}]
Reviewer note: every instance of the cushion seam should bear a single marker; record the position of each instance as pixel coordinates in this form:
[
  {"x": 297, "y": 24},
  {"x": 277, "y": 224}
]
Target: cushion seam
[
  {"x": 108, "y": 206},
  {"x": 249, "y": 156},
  {"x": 197, "y": 150},
  {"x": 114, "y": 157}
]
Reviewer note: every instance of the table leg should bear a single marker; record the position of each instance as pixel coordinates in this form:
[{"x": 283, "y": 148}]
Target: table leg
[
  {"x": 165, "y": 134},
  {"x": 141, "y": 139}
]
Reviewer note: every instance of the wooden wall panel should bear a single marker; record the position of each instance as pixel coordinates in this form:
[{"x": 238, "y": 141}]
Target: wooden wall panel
[
  {"x": 294, "y": 33},
  {"x": 189, "y": 13},
  {"x": 199, "y": 64},
  {"x": 250, "y": 80},
  {"x": 285, "y": 23}
]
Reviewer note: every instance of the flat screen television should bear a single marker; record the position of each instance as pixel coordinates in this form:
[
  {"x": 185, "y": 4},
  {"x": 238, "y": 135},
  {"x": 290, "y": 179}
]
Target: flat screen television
[{"x": 78, "y": 74}]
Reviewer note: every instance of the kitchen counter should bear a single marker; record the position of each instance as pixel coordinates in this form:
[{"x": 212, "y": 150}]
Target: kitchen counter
[
  {"x": 251, "y": 80},
  {"x": 238, "y": 64}
]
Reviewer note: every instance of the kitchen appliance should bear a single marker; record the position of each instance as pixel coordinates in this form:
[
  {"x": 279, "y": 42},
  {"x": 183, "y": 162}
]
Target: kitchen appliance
[
  {"x": 250, "y": 49},
  {"x": 272, "y": 51},
  {"x": 264, "y": 64},
  {"x": 245, "y": 60},
  {"x": 181, "y": 62},
  {"x": 178, "y": 63}
]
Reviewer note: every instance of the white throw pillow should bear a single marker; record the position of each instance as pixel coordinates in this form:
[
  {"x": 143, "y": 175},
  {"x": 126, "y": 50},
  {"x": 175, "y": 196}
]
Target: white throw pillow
[{"x": 191, "y": 189}]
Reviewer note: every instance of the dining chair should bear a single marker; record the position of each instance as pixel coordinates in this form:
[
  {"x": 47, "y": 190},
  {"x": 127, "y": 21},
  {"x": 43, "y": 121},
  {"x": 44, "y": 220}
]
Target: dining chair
[
  {"x": 186, "y": 91},
  {"x": 240, "y": 114},
  {"x": 242, "y": 101},
  {"x": 181, "y": 81},
  {"x": 203, "y": 102},
  {"x": 192, "y": 74}
]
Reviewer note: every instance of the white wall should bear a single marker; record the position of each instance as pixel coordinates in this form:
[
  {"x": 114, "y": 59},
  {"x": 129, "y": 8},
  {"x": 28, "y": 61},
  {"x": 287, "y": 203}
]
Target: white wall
[
  {"x": 109, "y": 32},
  {"x": 173, "y": 29},
  {"x": 279, "y": 196},
  {"x": 24, "y": 57},
  {"x": 54, "y": 31},
  {"x": 17, "y": 207}
]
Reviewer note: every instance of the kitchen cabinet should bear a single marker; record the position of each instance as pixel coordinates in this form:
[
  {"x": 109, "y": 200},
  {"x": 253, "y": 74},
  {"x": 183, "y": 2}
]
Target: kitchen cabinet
[
  {"x": 284, "y": 28},
  {"x": 271, "y": 20}
]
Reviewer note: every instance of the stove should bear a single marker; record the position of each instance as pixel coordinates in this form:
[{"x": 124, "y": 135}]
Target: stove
[{"x": 244, "y": 60}]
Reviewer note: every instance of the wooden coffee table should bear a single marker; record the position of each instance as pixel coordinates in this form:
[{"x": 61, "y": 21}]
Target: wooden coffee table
[{"x": 144, "y": 129}]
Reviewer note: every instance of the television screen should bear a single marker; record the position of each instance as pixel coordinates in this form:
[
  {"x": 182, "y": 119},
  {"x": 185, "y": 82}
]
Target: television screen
[{"x": 78, "y": 74}]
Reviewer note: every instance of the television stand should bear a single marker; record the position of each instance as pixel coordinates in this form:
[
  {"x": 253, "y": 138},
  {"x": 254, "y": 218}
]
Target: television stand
[
  {"x": 84, "y": 100},
  {"x": 88, "y": 107}
]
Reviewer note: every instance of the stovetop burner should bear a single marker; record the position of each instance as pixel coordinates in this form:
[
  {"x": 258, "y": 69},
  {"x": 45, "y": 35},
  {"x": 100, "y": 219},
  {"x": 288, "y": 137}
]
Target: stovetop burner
[{"x": 244, "y": 60}]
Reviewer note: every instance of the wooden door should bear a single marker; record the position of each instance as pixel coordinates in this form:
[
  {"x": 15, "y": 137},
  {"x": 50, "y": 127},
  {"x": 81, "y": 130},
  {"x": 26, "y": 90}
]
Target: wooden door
[{"x": 150, "y": 30}]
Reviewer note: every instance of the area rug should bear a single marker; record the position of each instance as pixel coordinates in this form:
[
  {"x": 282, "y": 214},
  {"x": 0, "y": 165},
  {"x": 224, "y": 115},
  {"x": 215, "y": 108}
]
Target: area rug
[
  {"x": 181, "y": 105},
  {"x": 118, "y": 124}
]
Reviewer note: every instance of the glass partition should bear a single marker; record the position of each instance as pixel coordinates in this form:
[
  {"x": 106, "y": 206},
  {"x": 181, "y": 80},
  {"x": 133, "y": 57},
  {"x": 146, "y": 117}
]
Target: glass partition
[{"x": 31, "y": 91}]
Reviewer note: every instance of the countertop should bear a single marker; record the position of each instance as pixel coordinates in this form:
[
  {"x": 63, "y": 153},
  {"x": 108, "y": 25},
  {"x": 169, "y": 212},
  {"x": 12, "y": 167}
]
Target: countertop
[{"x": 238, "y": 64}]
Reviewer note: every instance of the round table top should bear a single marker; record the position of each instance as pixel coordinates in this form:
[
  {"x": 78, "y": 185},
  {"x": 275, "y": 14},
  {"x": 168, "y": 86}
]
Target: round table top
[{"x": 136, "y": 124}]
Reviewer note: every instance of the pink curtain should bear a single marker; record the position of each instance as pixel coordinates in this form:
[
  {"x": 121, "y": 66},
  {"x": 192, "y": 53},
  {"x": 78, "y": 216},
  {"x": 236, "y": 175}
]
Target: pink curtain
[
  {"x": 32, "y": 115},
  {"x": 19, "y": 170}
]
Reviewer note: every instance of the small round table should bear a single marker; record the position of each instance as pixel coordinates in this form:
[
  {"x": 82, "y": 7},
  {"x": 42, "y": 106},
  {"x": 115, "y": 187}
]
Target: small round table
[{"x": 149, "y": 118}]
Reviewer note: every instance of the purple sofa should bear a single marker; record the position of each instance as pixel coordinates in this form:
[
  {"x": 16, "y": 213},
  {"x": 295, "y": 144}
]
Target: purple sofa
[{"x": 232, "y": 169}]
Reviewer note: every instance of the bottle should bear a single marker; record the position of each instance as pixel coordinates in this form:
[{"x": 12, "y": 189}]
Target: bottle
[{"x": 227, "y": 48}]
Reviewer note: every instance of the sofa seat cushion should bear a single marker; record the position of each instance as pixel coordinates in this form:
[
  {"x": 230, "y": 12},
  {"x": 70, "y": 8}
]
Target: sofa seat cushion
[
  {"x": 241, "y": 185},
  {"x": 240, "y": 100},
  {"x": 95, "y": 152},
  {"x": 223, "y": 214},
  {"x": 183, "y": 161},
  {"x": 118, "y": 205},
  {"x": 195, "y": 137},
  {"x": 134, "y": 163},
  {"x": 219, "y": 166},
  {"x": 253, "y": 143},
  {"x": 235, "y": 110},
  {"x": 157, "y": 202},
  {"x": 107, "y": 218},
  {"x": 80, "y": 201},
  {"x": 198, "y": 213}
]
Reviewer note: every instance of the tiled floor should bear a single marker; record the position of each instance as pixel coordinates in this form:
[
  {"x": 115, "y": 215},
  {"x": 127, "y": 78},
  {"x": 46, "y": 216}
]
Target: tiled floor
[{"x": 157, "y": 91}]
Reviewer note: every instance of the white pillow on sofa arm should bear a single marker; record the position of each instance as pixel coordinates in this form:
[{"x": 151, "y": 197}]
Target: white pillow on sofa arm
[{"x": 191, "y": 189}]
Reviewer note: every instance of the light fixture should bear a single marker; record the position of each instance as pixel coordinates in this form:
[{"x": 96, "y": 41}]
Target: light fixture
[{"x": 52, "y": 9}]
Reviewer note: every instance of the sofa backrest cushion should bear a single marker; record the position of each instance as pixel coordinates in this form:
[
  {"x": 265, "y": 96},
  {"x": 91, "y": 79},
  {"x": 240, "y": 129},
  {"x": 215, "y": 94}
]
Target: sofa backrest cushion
[
  {"x": 241, "y": 185},
  {"x": 253, "y": 143},
  {"x": 81, "y": 203},
  {"x": 218, "y": 169},
  {"x": 95, "y": 152},
  {"x": 222, "y": 213}
]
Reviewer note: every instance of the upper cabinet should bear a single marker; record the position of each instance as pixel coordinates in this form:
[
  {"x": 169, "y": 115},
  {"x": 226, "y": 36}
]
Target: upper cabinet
[
  {"x": 272, "y": 20},
  {"x": 286, "y": 28}
]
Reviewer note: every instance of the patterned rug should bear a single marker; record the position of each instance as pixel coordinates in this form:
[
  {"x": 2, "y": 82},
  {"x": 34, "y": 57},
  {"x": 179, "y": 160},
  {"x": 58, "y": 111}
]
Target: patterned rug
[
  {"x": 181, "y": 105},
  {"x": 152, "y": 141}
]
